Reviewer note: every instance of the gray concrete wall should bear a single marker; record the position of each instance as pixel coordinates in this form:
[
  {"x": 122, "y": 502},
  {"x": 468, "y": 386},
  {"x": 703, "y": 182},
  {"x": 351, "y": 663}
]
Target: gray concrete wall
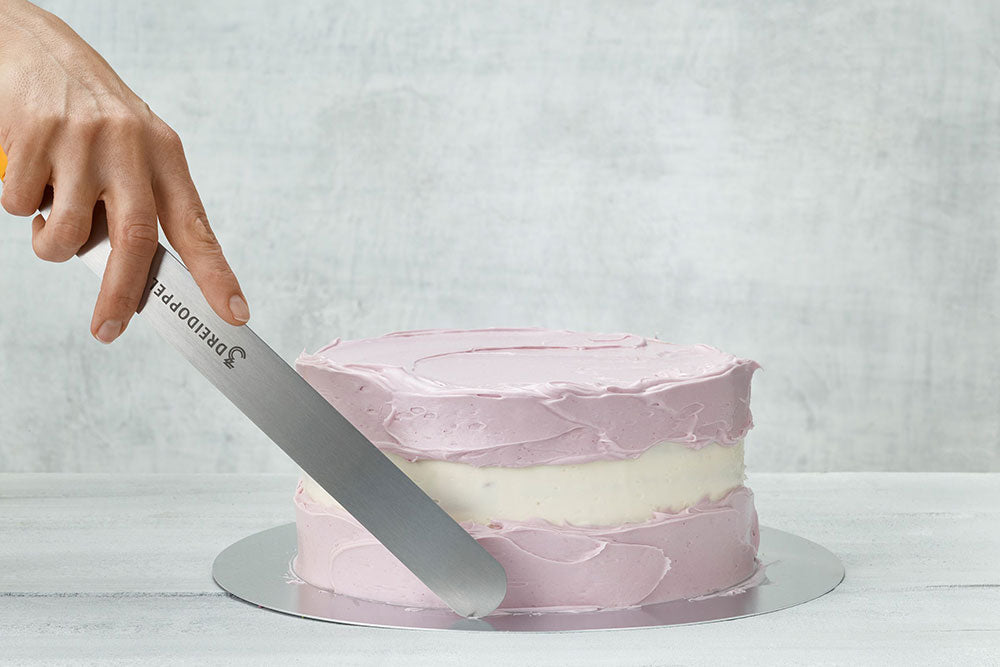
[{"x": 813, "y": 185}]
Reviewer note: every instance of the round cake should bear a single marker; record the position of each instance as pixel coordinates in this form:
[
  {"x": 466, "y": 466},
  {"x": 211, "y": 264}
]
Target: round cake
[{"x": 602, "y": 471}]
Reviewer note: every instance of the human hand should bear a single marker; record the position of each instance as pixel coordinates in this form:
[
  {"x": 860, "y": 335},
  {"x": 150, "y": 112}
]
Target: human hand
[{"x": 67, "y": 120}]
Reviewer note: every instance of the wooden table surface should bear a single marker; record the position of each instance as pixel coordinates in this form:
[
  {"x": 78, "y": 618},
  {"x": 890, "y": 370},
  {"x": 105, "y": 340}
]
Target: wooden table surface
[{"x": 117, "y": 569}]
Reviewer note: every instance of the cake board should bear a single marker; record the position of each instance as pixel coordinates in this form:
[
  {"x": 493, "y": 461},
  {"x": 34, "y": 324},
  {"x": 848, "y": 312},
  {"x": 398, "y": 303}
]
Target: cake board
[{"x": 258, "y": 570}]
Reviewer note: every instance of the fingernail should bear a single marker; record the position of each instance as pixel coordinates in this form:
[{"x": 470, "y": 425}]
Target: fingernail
[
  {"x": 239, "y": 308},
  {"x": 109, "y": 331}
]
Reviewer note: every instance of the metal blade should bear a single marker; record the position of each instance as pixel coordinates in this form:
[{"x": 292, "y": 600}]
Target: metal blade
[{"x": 317, "y": 437}]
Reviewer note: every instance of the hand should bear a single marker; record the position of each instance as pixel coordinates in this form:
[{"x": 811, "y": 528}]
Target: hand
[{"x": 68, "y": 121}]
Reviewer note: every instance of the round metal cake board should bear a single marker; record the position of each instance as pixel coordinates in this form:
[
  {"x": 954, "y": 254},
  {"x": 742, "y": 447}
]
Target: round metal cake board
[{"x": 258, "y": 569}]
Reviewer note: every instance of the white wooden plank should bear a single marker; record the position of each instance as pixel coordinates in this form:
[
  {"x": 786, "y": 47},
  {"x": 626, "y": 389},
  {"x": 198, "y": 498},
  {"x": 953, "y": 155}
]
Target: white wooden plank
[
  {"x": 909, "y": 627},
  {"x": 113, "y": 569},
  {"x": 148, "y": 533}
]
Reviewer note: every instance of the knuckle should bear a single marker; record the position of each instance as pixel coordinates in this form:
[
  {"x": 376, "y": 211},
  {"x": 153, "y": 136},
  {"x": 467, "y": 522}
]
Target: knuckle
[
  {"x": 40, "y": 126},
  {"x": 204, "y": 245},
  {"x": 86, "y": 126},
  {"x": 123, "y": 302},
  {"x": 115, "y": 119},
  {"x": 41, "y": 252},
  {"x": 68, "y": 235},
  {"x": 48, "y": 252},
  {"x": 34, "y": 119},
  {"x": 165, "y": 137},
  {"x": 123, "y": 122},
  {"x": 137, "y": 236},
  {"x": 16, "y": 201},
  {"x": 200, "y": 233}
]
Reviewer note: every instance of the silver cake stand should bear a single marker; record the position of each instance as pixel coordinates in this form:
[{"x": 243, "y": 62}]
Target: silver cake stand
[{"x": 258, "y": 569}]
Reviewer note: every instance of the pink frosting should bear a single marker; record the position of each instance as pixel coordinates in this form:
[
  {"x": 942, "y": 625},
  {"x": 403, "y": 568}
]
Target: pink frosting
[
  {"x": 707, "y": 547},
  {"x": 523, "y": 397}
]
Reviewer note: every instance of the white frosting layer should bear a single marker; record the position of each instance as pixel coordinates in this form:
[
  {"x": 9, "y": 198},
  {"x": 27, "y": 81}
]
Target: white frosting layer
[{"x": 667, "y": 477}]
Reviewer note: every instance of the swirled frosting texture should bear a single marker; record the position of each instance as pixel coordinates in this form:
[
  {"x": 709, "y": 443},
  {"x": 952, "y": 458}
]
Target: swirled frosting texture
[
  {"x": 524, "y": 397},
  {"x": 707, "y": 547}
]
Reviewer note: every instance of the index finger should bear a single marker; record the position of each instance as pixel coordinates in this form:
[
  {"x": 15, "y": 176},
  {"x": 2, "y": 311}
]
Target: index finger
[{"x": 185, "y": 225}]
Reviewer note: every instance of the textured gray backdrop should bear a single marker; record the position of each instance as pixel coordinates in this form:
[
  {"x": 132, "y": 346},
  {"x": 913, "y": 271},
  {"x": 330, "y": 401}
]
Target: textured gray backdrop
[{"x": 813, "y": 185}]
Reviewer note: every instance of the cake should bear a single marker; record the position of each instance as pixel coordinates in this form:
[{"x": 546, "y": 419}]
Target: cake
[{"x": 603, "y": 471}]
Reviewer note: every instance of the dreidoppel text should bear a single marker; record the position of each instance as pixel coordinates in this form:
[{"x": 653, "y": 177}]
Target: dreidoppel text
[{"x": 228, "y": 354}]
